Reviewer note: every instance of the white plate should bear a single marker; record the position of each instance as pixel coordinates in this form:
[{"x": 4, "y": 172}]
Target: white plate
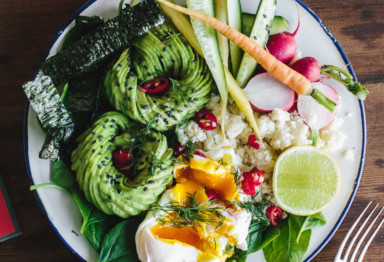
[{"x": 313, "y": 39}]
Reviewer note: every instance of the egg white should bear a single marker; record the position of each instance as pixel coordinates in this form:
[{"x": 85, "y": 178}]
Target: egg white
[{"x": 152, "y": 249}]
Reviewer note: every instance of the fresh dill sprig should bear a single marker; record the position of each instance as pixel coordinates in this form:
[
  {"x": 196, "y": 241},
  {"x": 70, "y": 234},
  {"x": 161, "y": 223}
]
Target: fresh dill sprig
[
  {"x": 191, "y": 214},
  {"x": 257, "y": 211},
  {"x": 236, "y": 175},
  {"x": 188, "y": 151}
]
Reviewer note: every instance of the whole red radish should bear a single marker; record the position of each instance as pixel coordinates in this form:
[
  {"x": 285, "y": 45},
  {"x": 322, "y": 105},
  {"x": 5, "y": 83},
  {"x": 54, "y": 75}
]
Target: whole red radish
[
  {"x": 283, "y": 45},
  {"x": 308, "y": 67}
]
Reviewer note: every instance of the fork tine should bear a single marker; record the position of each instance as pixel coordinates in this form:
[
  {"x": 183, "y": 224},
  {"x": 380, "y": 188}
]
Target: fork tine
[
  {"x": 341, "y": 248},
  {"x": 349, "y": 248},
  {"x": 370, "y": 240},
  {"x": 365, "y": 234}
]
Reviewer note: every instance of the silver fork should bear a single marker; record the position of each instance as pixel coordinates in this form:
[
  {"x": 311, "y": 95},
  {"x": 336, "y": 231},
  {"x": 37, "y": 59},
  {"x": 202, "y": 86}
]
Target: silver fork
[{"x": 338, "y": 257}]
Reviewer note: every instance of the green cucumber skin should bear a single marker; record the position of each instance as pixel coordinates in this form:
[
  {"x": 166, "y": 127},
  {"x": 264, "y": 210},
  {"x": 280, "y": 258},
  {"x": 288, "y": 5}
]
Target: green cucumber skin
[
  {"x": 279, "y": 24},
  {"x": 235, "y": 21},
  {"x": 260, "y": 33},
  {"x": 207, "y": 38}
]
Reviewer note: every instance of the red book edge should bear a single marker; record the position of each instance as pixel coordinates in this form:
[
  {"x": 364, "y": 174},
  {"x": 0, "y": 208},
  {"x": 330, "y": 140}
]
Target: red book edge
[{"x": 9, "y": 226}]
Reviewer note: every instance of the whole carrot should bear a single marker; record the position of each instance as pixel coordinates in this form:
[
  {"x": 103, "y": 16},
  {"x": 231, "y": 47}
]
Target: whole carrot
[{"x": 277, "y": 69}]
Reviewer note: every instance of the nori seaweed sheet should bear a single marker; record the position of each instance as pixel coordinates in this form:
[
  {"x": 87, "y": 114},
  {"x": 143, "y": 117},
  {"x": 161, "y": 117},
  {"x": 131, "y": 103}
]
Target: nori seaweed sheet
[{"x": 105, "y": 40}]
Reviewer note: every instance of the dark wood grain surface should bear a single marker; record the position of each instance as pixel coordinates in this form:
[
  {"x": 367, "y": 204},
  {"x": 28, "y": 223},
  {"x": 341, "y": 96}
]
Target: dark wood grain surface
[{"x": 27, "y": 29}]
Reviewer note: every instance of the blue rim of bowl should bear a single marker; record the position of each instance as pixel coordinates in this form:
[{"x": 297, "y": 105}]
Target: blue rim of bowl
[
  {"x": 346, "y": 60},
  {"x": 364, "y": 134}
]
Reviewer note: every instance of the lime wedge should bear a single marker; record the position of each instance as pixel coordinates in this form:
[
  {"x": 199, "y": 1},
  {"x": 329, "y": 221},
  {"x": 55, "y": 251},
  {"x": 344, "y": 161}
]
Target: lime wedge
[{"x": 306, "y": 180}]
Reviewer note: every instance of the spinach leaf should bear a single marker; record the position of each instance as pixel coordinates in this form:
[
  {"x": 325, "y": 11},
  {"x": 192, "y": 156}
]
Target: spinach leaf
[
  {"x": 316, "y": 220},
  {"x": 95, "y": 224},
  {"x": 119, "y": 243},
  {"x": 96, "y": 231},
  {"x": 62, "y": 176},
  {"x": 292, "y": 242}
]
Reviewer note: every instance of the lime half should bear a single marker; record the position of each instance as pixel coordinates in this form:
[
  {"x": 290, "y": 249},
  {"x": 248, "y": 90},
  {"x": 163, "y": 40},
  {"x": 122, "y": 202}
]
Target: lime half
[{"x": 306, "y": 180}]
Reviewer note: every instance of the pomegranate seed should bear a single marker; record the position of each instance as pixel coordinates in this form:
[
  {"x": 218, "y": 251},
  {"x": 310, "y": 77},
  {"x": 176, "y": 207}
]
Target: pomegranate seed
[
  {"x": 156, "y": 86},
  {"x": 274, "y": 215},
  {"x": 197, "y": 152},
  {"x": 252, "y": 141},
  {"x": 248, "y": 183},
  {"x": 212, "y": 195},
  {"x": 206, "y": 119},
  {"x": 179, "y": 150},
  {"x": 258, "y": 176}
]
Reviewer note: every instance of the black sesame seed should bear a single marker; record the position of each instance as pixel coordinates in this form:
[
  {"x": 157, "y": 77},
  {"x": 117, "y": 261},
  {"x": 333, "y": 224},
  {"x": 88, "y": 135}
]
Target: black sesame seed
[
  {"x": 130, "y": 89},
  {"x": 164, "y": 49},
  {"x": 93, "y": 133},
  {"x": 145, "y": 188},
  {"x": 99, "y": 166},
  {"x": 151, "y": 181}
]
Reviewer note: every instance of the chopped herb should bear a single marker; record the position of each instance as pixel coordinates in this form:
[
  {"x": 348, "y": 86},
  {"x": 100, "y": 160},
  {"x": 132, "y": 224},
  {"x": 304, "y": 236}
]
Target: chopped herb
[{"x": 190, "y": 214}]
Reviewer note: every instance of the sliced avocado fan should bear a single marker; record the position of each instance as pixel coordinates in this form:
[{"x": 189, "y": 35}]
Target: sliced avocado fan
[
  {"x": 106, "y": 186},
  {"x": 164, "y": 53}
]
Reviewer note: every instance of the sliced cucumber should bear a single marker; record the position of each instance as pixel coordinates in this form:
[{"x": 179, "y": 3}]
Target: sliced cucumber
[
  {"x": 221, "y": 14},
  {"x": 279, "y": 24},
  {"x": 207, "y": 38},
  {"x": 247, "y": 23},
  {"x": 259, "y": 33},
  {"x": 235, "y": 21}
]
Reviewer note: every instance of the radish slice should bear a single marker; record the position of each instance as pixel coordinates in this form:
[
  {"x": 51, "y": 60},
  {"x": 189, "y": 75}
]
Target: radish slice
[
  {"x": 315, "y": 115},
  {"x": 265, "y": 93}
]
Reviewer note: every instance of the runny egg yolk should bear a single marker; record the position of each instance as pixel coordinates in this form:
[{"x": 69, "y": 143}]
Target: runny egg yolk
[
  {"x": 193, "y": 179},
  {"x": 209, "y": 174},
  {"x": 187, "y": 235}
]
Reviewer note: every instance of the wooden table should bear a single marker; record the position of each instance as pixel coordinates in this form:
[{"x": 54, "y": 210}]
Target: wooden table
[{"x": 28, "y": 27}]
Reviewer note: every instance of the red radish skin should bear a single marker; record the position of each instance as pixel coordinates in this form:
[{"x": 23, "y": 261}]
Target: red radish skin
[
  {"x": 315, "y": 115},
  {"x": 265, "y": 93},
  {"x": 308, "y": 67},
  {"x": 283, "y": 45}
]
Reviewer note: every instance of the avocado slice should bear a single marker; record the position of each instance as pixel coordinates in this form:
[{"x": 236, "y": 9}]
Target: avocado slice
[
  {"x": 106, "y": 186},
  {"x": 162, "y": 52}
]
